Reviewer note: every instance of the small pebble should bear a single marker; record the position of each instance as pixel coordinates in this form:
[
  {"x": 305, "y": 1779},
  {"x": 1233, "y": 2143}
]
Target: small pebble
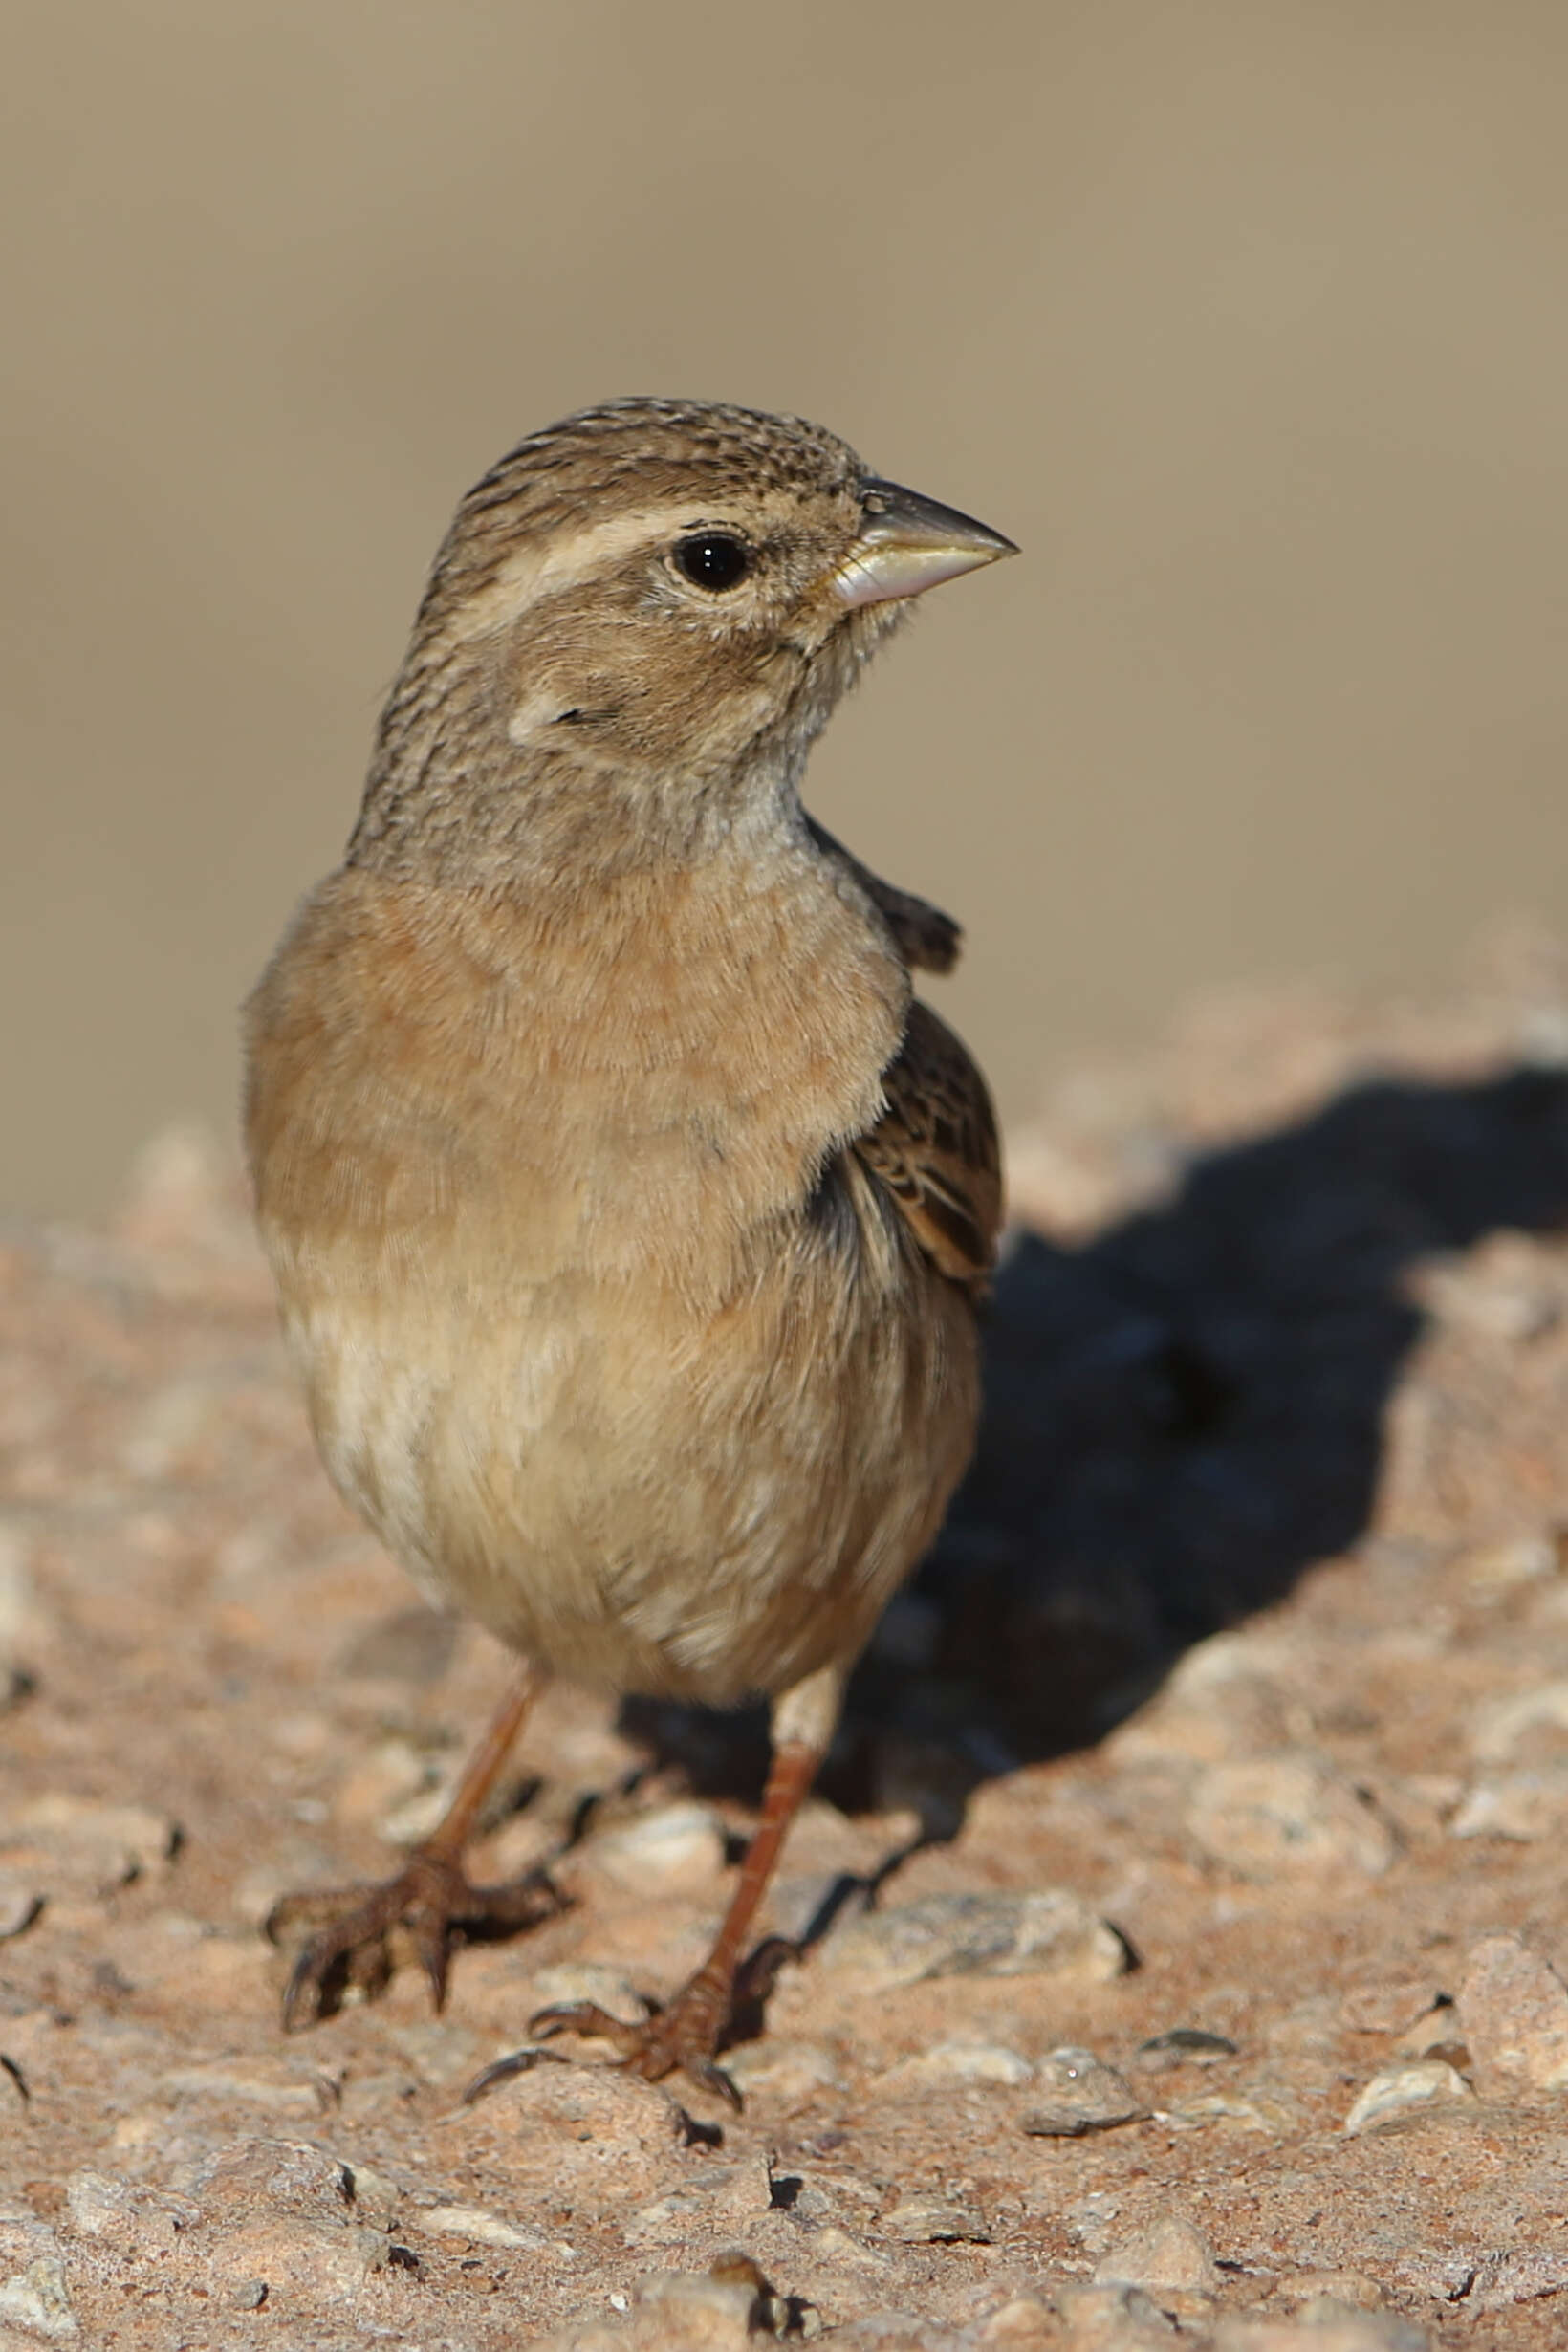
[
  {"x": 679, "y": 1846},
  {"x": 1170, "y": 2252},
  {"x": 1513, "y": 2011},
  {"x": 1522, "y": 1805},
  {"x": 480, "y": 2228},
  {"x": 719, "y": 2196},
  {"x": 782, "y": 2070},
  {"x": 1184, "y": 2045},
  {"x": 1050, "y": 1934},
  {"x": 837, "y": 2199},
  {"x": 1111, "y": 2319},
  {"x": 292, "y": 2177},
  {"x": 407, "y": 1819},
  {"x": 250, "y": 2295},
  {"x": 1494, "y": 1292},
  {"x": 1312, "y": 2289},
  {"x": 77, "y": 1846},
  {"x": 36, "y": 2301},
  {"x": 376, "y": 2200},
  {"x": 711, "y": 2313},
  {"x": 328, "y": 2262},
  {"x": 1091, "y": 2221},
  {"x": 1398, "y": 2089},
  {"x": 139, "y": 2220},
  {"x": 1281, "y": 1815},
  {"x": 1082, "y": 2094},
  {"x": 934, "y": 2221},
  {"x": 949, "y": 2063},
  {"x": 1503, "y": 1567},
  {"x": 1533, "y": 1721},
  {"x": 1272, "y": 2109},
  {"x": 19, "y": 1906}
]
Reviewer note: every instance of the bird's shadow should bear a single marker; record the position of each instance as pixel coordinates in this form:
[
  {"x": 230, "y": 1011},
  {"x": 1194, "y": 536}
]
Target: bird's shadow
[{"x": 1180, "y": 1417}]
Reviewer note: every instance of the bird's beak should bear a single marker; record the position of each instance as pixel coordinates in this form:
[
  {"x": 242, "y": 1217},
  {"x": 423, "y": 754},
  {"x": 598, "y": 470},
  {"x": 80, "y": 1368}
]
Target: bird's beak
[{"x": 909, "y": 544}]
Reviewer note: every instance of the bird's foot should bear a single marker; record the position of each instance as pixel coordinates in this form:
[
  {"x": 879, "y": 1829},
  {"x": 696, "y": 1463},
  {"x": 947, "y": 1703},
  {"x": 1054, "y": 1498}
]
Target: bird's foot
[
  {"x": 355, "y": 1937},
  {"x": 683, "y": 2036}
]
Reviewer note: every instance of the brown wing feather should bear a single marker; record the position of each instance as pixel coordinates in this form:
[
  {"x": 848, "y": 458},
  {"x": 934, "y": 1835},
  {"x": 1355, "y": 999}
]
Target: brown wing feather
[
  {"x": 934, "y": 1150},
  {"x": 927, "y": 939}
]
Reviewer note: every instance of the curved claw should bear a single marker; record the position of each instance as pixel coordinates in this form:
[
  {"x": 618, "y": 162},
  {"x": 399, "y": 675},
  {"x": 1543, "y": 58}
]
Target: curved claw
[
  {"x": 587, "y": 2018},
  {"x": 426, "y": 1909},
  {"x": 352, "y": 1950},
  {"x": 502, "y": 2070},
  {"x": 712, "y": 2077},
  {"x": 432, "y": 1940}
]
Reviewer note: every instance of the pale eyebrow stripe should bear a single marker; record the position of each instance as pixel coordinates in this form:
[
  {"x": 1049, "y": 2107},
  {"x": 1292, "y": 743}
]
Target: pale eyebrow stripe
[{"x": 544, "y": 567}]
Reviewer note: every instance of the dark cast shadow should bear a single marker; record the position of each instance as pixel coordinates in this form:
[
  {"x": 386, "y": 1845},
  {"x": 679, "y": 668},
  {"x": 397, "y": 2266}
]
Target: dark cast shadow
[{"x": 1186, "y": 1414}]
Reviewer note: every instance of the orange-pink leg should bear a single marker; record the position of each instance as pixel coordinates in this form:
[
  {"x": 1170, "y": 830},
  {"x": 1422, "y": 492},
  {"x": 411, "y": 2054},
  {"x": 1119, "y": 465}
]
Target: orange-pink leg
[
  {"x": 353, "y": 1932},
  {"x": 687, "y": 2032}
]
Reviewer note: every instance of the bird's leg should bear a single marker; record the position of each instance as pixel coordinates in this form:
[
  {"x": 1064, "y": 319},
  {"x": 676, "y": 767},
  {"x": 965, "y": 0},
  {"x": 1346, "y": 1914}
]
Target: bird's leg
[
  {"x": 353, "y": 1934},
  {"x": 688, "y": 2031}
]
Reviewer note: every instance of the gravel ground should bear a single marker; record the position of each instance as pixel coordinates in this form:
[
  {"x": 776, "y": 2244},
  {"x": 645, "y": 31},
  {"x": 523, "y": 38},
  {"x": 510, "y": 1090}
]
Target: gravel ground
[{"x": 1182, "y": 1899}]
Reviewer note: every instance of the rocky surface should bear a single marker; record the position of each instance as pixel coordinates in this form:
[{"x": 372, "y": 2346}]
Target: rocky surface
[{"x": 1186, "y": 1901}]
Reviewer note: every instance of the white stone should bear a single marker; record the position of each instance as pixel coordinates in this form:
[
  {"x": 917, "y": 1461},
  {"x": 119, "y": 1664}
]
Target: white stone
[
  {"x": 1501, "y": 1727},
  {"x": 1167, "y": 2252},
  {"x": 35, "y": 2299},
  {"x": 680, "y": 1846},
  {"x": 948, "y": 2063},
  {"x": 482, "y": 2228},
  {"x": 1280, "y": 1814},
  {"x": 1522, "y": 1805},
  {"x": 1397, "y": 2089}
]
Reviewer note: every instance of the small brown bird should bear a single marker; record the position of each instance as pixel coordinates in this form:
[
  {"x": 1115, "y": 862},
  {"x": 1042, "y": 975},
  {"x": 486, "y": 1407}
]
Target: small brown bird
[{"x": 628, "y": 1212}]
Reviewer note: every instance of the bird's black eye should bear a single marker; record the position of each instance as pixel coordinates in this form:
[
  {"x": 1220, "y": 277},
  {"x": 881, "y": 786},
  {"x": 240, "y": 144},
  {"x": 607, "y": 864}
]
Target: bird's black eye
[{"x": 712, "y": 559}]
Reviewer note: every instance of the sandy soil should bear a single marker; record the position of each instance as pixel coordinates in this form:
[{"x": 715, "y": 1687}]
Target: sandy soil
[{"x": 1184, "y": 1899}]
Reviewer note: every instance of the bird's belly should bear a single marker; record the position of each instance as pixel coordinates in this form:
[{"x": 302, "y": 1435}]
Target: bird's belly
[{"x": 641, "y": 1495}]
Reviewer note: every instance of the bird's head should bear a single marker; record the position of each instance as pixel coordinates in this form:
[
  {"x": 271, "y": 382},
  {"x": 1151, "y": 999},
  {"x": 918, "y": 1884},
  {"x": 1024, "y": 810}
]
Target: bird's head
[{"x": 646, "y": 613}]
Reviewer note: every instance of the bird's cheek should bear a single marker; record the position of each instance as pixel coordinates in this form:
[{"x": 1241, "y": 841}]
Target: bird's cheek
[{"x": 537, "y": 711}]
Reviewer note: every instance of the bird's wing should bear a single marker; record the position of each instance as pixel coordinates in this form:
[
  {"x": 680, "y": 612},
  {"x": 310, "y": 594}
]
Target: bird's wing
[
  {"x": 934, "y": 1150},
  {"x": 927, "y": 939}
]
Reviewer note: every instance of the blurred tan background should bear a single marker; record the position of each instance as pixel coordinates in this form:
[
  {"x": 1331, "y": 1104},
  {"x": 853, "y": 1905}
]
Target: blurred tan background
[{"x": 1248, "y": 321}]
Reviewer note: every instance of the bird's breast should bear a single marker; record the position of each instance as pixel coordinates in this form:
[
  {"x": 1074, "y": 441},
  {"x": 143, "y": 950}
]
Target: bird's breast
[
  {"x": 460, "y": 1082},
  {"x": 540, "y": 1194}
]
